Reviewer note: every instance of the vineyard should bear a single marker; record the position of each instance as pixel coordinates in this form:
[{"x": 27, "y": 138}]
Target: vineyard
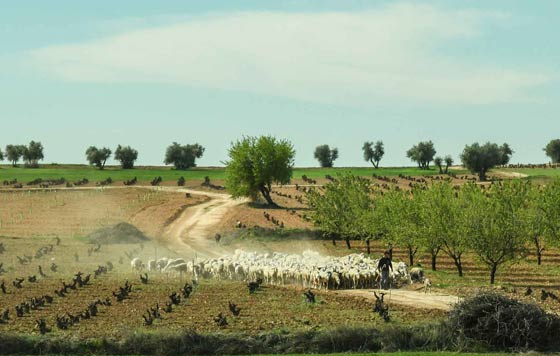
[{"x": 66, "y": 307}]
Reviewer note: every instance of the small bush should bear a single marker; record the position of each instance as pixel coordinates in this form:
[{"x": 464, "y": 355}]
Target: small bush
[{"x": 504, "y": 323}]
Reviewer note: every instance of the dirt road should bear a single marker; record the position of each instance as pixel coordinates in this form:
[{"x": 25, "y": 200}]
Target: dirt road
[
  {"x": 192, "y": 232},
  {"x": 409, "y": 298}
]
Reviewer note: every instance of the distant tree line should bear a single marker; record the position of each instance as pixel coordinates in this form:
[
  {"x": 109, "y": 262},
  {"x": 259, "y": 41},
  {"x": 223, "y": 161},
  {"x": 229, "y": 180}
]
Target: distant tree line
[
  {"x": 30, "y": 154},
  {"x": 477, "y": 158}
]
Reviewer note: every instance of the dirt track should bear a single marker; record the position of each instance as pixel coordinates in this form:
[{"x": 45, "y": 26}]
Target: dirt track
[{"x": 410, "y": 298}]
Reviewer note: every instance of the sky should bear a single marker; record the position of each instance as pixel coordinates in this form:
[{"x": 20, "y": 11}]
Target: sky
[{"x": 148, "y": 73}]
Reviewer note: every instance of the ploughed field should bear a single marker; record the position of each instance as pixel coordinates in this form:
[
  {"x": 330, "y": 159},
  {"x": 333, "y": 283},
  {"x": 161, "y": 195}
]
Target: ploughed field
[{"x": 76, "y": 213}]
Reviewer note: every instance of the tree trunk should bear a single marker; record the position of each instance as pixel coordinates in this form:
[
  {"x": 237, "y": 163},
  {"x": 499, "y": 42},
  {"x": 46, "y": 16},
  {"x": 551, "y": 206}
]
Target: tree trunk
[
  {"x": 540, "y": 249},
  {"x": 368, "y": 247},
  {"x": 333, "y": 239},
  {"x": 482, "y": 175},
  {"x": 266, "y": 194},
  {"x": 348, "y": 243},
  {"x": 411, "y": 254},
  {"x": 458, "y": 264},
  {"x": 493, "y": 273},
  {"x": 391, "y": 252},
  {"x": 434, "y": 253}
]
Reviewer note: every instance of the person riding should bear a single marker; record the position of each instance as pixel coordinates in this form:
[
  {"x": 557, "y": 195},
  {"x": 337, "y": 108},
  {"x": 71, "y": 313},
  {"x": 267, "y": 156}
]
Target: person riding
[{"x": 384, "y": 266}]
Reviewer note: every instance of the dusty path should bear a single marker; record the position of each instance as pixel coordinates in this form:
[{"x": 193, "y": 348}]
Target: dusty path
[
  {"x": 409, "y": 298},
  {"x": 192, "y": 231}
]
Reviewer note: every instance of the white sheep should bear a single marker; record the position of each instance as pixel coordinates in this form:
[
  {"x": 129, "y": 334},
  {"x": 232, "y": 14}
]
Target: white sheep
[
  {"x": 152, "y": 265},
  {"x": 136, "y": 264}
]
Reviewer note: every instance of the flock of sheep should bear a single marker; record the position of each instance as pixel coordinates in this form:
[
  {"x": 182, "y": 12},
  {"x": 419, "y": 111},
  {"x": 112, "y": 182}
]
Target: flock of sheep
[{"x": 310, "y": 269}]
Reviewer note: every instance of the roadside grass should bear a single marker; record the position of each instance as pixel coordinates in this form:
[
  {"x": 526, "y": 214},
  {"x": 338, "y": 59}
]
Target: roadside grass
[
  {"x": 534, "y": 172},
  {"x": 145, "y": 174}
]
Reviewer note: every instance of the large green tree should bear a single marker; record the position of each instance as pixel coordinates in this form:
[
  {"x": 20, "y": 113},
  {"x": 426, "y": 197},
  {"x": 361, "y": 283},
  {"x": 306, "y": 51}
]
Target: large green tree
[
  {"x": 544, "y": 213},
  {"x": 325, "y": 155},
  {"x": 183, "y": 156},
  {"x": 126, "y": 155},
  {"x": 255, "y": 163},
  {"x": 342, "y": 208},
  {"x": 445, "y": 217},
  {"x": 373, "y": 153},
  {"x": 403, "y": 220},
  {"x": 98, "y": 156},
  {"x": 14, "y": 153},
  {"x": 479, "y": 159},
  {"x": 1, "y": 155},
  {"x": 552, "y": 150},
  {"x": 498, "y": 222},
  {"x": 422, "y": 153},
  {"x": 32, "y": 154}
]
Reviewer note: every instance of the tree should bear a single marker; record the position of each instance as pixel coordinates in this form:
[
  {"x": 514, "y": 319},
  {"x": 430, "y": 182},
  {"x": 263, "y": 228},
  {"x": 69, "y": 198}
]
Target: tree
[
  {"x": 402, "y": 215},
  {"x": 438, "y": 161},
  {"x": 325, "y": 155},
  {"x": 373, "y": 152},
  {"x": 448, "y": 163},
  {"x": 497, "y": 226},
  {"x": 257, "y": 162},
  {"x": 544, "y": 215},
  {"x": 479, "y": 159},
  {"x": 126, "y": 155},
  {"x": 552, "y": 150},
  {"x": 183, "y": 156},
  {"x": 98, "y": 157},
  {"x": 342, "y": 207},
  {"x": 422, "y": 153},
  {"x": 32, "y": 154},
  {"x": 450, "y": 222},
  {"x": 1, "y": 155},
  {"x": 14, "y": 153}
]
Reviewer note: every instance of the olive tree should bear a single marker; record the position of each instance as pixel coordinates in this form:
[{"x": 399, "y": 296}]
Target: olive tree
[
  {"x": 98, "y": 157},
  {"x": 255, "y": 163},
  {"x": 183, "y": 156},
  {"x": 32, "y": 154},
  {"x": 479, "y": 159},
  {"x": 14, "y": 153},
  {"x": 497, "y": 223},
  {"x": 373, "y": 153},
  {"x": 448, "y": 163},
  {"x": 422, "y": 153},
  {"x": 325, "y": 155},
  {"x": 552, "y": 150},
  {"x": 438, "y": 161},
  {"x": 1, "y": 155},
  {"x": 126, "y": 155}
]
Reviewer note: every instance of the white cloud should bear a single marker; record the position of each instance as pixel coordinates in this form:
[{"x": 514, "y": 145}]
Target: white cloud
[{"x": 352, "y": 58}]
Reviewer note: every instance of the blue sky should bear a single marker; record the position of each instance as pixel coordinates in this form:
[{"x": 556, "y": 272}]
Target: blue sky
[{"x": 147, "y": 73}]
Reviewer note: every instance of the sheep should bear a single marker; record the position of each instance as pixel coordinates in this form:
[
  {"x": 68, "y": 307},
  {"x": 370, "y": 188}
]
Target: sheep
[
  {"x": 427, "y": 285},
  {"x": 136, "y": 264},
  {"x": 181, "y": 268},
  {"x": 152, "y": 265},
  {"x": 416, "y": 275},
  {"x": 161, "y": 263},
  {"x": 173, "y": 262}
]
